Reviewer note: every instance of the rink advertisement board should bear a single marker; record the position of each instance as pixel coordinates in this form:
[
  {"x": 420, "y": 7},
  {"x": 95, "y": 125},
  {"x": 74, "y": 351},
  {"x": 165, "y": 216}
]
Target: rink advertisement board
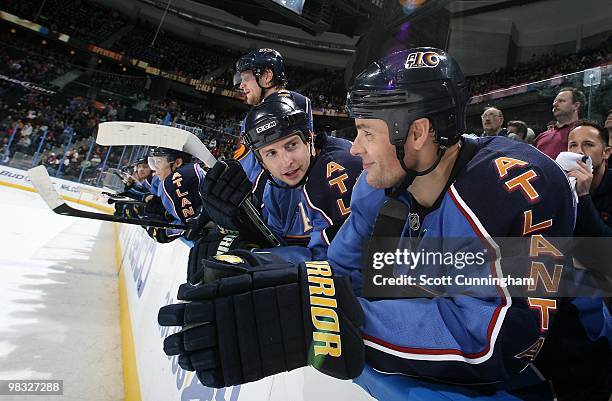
[
  {"x": 153, "y": 273},
  {"x": 70, "y": 191}
]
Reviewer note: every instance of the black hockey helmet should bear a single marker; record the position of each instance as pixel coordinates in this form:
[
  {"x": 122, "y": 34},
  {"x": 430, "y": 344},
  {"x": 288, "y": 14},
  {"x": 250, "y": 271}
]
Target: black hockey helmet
[
  {"x": 412, "y": 84},
  {"x": 273, "y": 119},
  {"x": 260, "y": 60},
  {"x": 141, "y": 160}
]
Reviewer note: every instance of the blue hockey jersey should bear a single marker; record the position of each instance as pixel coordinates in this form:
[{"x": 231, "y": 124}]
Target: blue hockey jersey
[
  {"x": 489, "y": 344},
  {"x": 180, "y": 195},
  {"x": 314, "y": 213},
  {"x": 311, "y": 215}
]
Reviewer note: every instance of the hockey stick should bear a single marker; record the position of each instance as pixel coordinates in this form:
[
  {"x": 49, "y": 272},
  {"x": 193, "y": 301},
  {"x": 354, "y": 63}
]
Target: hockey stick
[
  {"x": 42, "y": 183},
  {"x": 117, "y": 133}
]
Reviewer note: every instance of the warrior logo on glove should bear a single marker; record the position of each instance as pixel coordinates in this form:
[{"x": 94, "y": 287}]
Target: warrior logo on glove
[{"x": 265, "y": 316}]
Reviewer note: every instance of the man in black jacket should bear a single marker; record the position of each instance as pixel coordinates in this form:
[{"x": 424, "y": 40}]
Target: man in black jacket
[{"x": 594, "y": 216}]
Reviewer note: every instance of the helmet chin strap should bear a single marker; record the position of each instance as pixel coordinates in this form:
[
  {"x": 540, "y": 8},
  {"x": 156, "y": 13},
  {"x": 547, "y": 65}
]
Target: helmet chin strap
[
  {"x": 410, "y": 173},
  {"x": 262, "y": 90}
]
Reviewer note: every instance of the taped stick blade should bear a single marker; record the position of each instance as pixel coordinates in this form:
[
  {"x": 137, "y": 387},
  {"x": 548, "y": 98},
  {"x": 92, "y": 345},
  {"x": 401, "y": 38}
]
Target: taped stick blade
[
  {"x": 42, "y": 182},
  {"x": 119, "y": 133}
]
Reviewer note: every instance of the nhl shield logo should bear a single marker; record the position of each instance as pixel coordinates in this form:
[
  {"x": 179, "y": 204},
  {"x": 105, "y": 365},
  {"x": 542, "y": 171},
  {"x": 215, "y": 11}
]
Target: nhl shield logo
[{"x": 413, "y": 221}]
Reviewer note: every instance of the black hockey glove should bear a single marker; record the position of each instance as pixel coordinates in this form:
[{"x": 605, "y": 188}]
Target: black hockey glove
[
  {"x": 198, "y": 226},
  {"x": 128, "y": 209},
  {"x": 267, "y": 317},
  {"x": 224, "y": 189},
  {"x": 160, "y": 234},
  {"x": 154, "y": 206},
  {"x": 213, "y": 244}
]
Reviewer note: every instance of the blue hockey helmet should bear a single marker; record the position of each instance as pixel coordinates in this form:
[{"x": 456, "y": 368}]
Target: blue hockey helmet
[
  {"x": 411, "y": 84},
  {"x": 260, "y": 60}
]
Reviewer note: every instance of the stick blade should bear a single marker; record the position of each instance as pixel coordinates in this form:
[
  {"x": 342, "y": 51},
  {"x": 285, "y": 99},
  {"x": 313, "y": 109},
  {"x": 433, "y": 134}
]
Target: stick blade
[
  {"x": 42, "y": 183},
  {"x": 120, "y": 133}
]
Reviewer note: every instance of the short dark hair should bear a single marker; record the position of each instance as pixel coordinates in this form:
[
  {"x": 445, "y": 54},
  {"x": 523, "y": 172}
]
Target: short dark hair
[
  {"x": 520, "y": 126},
  {"x": 603, "y": 133},
  {"x": 609, "y": 112},
  {"x": 577, "y": 96}
]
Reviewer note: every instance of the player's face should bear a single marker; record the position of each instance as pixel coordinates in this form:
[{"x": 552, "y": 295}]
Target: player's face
[
  {"x": 142, "y": 171},
  {"x": 377, "y": 154},
  {"x": 161, "y": 166},
  {"x": 563, "y": 105},
  {"x": 586, "y": 141},
  {"x": 248, "y": 84},
  {"x": 287, "y": 159}
]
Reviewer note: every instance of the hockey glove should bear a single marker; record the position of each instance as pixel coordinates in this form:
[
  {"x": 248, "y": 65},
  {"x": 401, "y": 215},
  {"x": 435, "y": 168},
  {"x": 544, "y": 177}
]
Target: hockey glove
[
  {"x": 265, "y": 319},
  {"x": 213, "y": 244},
  {"x": 225, "y": 187},
  {"x": 198, "y": 226},
  {"x": 154, "y": 206},
  {"x": 161, "y": 234}
]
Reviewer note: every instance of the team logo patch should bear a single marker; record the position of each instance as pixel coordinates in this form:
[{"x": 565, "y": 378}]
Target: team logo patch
[
  {"x": 422, "y": 60},
  {"x": 266, "y": 127},
  {"x": 232, "y": 259}
]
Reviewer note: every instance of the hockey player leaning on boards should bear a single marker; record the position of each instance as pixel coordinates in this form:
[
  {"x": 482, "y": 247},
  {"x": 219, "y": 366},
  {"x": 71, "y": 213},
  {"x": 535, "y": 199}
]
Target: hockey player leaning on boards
[
  {"x": 136, "y": 186},
  {"x": 177, "y": 194},
  {"x": 318, "y": 180},
  {"x": 409, "y": 109}
]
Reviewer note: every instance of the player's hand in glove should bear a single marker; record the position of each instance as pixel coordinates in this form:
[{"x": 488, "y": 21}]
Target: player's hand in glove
[
  {"x": 154, "y": 206},
  {"x": 161, "y": 235},
  {"x": 127, "y": 209},
  {"x": 198, "y": 226},
  {"x": 214, "y": 244},
  {"x": 225, "y": 187},
  {"x": 263, "y": 318}
]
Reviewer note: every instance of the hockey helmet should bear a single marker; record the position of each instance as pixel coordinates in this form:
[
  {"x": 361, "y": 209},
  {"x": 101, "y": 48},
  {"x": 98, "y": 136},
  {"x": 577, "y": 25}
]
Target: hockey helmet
[
  {"x": 408, "y": 85},
  {"x": 260, "y": 60},
  {"x": 157, "y": 154},
  {"x": 275, "y": 118}
]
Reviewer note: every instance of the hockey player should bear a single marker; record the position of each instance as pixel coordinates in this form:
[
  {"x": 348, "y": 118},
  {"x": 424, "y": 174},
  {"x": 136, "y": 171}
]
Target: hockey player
[
  {"x": 410, "y": 110},
  {"x": 136, "y": 187},
  {"x": 141, "y": 175},
  {"x": 318, "y": 181},
  {"x": 178, "y": 194},
  {"x": 259, "y": 74}
]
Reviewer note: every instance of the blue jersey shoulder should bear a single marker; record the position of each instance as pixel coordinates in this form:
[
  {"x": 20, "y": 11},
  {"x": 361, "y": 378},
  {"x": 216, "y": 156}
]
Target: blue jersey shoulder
[{"x": 518, "y": 179}]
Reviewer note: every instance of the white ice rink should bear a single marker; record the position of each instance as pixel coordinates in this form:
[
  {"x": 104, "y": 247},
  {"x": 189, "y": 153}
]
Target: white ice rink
[{"x": 59, "y": 306}]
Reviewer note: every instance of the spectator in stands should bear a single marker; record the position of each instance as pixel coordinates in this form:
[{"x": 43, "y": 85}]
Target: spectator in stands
[
  {"x": 492, "y": 121},
  {"x": 608, "y": 125},
  {"x": 517, "y": 130},
  {"x": 594, "y": 189},
  {"x": 567, "y": 109}
]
